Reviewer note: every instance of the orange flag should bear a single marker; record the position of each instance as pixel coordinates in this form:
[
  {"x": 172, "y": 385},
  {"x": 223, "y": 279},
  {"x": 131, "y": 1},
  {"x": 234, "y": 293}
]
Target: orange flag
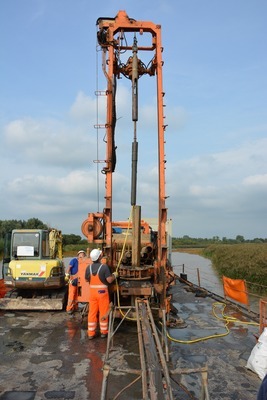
[{"x": 235, "y": 289}]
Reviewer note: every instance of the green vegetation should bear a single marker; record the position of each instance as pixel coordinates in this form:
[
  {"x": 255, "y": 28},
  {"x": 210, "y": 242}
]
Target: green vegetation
[
  {"x": 189, "y": 242},
  {"x": 71, "y": 250},
  {"x": 71, "y": 243},
  {"x": 235, "y": 258},
  {"x": 8, "y": 225},
  {"x": 240, "y": 261}
]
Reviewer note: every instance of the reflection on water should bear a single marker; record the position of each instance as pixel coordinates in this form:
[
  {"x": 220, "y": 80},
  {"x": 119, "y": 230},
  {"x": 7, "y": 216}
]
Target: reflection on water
[
  {"x": 197, "y": 269},
  {"x": 190, "y": 264}
]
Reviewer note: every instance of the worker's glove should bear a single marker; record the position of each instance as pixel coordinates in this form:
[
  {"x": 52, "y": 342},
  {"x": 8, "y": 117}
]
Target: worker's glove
[
  {"x": 74, "y": 282},
  {"x": 67, "y": 277},
  {"x": 115, "y": 274}
]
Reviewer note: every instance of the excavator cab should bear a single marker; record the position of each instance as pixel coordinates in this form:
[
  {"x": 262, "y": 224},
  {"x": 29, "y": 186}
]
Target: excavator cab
[{"x": 26, "y": 245}]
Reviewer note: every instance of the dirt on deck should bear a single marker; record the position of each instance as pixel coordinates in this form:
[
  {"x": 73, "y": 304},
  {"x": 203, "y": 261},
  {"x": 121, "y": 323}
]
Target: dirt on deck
[{"x": 47, "y": 355}]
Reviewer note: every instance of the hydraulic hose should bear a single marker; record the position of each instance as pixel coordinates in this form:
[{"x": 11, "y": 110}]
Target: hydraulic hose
[{"x": 224, "y": 317}]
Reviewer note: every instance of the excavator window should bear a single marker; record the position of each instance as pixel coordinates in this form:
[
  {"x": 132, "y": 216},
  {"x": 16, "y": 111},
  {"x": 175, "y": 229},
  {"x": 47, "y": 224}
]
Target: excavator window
[{"x": 25, "y": 244}]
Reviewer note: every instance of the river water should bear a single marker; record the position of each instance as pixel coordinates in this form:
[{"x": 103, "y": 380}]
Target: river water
[{"x": 199, "y": 270}]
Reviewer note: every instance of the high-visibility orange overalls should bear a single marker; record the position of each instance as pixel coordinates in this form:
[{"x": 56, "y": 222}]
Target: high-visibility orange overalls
[
  {"x": 72, "y": 303},
  {"x": 98, "y": 303}
]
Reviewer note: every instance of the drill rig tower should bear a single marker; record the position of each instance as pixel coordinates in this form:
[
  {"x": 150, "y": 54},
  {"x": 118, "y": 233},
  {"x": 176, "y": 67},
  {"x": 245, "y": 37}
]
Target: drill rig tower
[{"x": 138, "y": 253}]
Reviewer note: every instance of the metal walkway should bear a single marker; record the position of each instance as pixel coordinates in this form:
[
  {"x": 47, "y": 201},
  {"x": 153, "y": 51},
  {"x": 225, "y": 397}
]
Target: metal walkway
[{"x": 154, "y": 373}]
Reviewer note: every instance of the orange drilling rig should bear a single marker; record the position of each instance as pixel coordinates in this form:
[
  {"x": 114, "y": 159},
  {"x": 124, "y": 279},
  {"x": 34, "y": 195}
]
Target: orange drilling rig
[{"x": 136, "y": 249}]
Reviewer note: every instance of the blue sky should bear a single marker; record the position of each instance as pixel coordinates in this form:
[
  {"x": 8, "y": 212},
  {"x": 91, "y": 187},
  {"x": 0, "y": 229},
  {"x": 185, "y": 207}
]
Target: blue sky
[{"x": 215, "y": 82}]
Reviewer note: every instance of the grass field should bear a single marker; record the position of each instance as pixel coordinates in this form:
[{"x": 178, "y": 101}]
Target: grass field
[{"x": 240, "y": 261}]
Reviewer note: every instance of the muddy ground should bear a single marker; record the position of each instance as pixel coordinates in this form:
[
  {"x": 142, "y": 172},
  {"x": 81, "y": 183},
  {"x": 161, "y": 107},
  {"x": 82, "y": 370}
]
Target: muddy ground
[{"x": 47, "y": 355}]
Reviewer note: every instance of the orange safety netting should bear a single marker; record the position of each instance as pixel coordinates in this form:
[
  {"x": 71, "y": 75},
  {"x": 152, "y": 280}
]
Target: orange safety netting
[{"x": 235, "y": 289}]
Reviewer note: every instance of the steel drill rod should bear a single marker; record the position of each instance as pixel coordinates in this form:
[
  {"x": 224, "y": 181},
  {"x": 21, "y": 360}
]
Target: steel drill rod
[{"x": 134, "y": 172}]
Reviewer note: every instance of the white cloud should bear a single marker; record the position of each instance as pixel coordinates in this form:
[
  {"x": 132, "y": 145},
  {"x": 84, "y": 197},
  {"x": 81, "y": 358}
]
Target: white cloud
[
  {"x": 216, "y": 186},
  {"x": 216, "y": 140},
  {"x": 26, "y": 132},
  {"x": 219, "y": 188},
  {"x": 200, "y": 191},
  {"x": 49, "y": 142},
  {"x": 84, "y": 107},
  {"x": 256, "y": 180},
  {"x": 73, "y": 184}
]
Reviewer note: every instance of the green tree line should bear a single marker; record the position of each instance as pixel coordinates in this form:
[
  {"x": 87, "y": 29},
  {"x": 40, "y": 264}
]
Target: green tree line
[
  {"x": 7, "y": 226},
  {"x": 74, "y": 240},
  {"x": 187, "y": 241}
]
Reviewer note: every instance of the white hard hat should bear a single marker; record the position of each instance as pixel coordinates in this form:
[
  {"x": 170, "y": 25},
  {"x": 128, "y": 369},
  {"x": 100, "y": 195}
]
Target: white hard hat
[
  {"x": 81, "y": 251},
  {"x": 95, "y": 254}
]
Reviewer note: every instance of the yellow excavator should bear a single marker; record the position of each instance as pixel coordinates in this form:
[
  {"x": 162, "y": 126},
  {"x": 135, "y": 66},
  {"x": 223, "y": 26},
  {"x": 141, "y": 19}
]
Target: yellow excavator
[{"x": 33, "y": 270}]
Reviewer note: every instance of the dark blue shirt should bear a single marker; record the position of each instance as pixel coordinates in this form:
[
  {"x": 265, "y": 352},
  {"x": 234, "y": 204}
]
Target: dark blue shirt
[{"x": 74, "y": 266}]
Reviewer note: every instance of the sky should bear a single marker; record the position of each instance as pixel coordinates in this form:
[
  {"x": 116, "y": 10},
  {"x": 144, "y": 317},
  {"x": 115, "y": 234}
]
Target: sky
[{"x": 215, "y": 84}]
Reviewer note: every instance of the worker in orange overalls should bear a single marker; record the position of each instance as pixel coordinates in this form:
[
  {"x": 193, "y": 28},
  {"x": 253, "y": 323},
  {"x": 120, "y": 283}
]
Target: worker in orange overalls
[
  {"x": 72, "y": 278},
  {"x": 99, "y": 276}
]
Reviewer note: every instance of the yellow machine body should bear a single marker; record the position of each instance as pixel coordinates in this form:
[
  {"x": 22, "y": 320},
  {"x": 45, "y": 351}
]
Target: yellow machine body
[{"x": 33, "y": 270}]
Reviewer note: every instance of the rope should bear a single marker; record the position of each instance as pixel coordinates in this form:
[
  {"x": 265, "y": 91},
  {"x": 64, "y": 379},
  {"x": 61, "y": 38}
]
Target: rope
[{"x": 118, "y": 266}]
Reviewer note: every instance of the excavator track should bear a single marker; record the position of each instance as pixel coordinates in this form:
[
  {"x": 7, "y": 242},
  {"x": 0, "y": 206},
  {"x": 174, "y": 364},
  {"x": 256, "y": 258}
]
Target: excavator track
[{"x": 17, "y": 300}]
